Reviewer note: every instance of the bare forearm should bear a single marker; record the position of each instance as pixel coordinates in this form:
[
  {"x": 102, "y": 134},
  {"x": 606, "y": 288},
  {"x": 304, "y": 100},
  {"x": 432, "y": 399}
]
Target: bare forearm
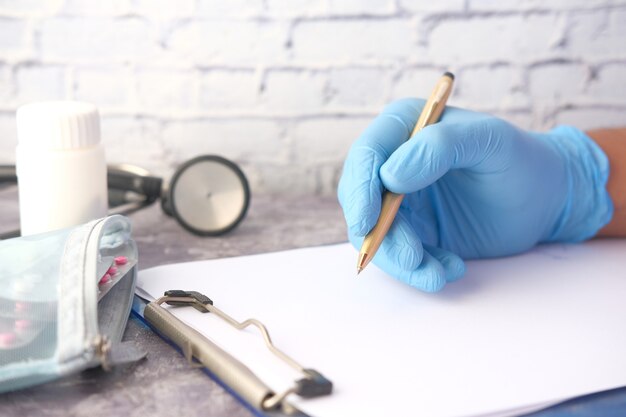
[{"x": 613, "y": 143}]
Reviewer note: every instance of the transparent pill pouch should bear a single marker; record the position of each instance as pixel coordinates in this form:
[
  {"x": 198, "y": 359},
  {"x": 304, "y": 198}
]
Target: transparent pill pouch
[{"x": 65, "y": 297}]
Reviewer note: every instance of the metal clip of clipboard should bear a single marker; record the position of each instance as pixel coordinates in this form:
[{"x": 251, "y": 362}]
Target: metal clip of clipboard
[{"x": 228, "y": 369}]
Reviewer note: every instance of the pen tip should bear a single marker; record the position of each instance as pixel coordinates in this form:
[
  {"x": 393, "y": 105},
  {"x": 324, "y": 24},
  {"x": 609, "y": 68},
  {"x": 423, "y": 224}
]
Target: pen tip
[
  {"x": 448, "y": 74},
  {"x": 363, "y": 260}
]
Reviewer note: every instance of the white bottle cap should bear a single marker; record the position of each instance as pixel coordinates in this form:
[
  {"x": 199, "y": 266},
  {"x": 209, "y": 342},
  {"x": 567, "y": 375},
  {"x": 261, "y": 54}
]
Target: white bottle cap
[{"x": 58, "y": 125}]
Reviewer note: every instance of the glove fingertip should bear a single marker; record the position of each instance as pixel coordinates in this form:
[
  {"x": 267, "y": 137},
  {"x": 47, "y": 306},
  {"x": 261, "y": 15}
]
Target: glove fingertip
[
  {"x": 390, "y": 178},
  {"x": 456, "y": 269},
  {"x": 430, "y": 285},
  {"x": 410, "y": 257},
  {"x": 355, "y": 241},
  {"x": 452, "y": 264},
  {"x": 361, "y": 209},
  {"x": 430, "y": 278},
  {"x": 402, "y": 245},
  {"x": 359, "y": 228},
  {"x": 420, "y": 161}
]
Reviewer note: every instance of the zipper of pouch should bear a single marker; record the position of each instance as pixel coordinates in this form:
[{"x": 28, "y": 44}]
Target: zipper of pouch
[{"x": 98, "y": 343}]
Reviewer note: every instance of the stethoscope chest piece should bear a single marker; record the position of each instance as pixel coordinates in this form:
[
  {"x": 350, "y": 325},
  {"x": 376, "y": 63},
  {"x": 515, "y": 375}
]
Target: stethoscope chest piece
[{"x": 208, "y": 195}]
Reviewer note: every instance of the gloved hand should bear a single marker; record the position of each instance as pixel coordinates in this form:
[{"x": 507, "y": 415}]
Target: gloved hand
[{"x": 475, "y": 187}]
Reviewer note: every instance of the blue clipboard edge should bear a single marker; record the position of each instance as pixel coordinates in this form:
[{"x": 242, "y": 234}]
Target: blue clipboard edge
[{"x": 137, "y": 311}]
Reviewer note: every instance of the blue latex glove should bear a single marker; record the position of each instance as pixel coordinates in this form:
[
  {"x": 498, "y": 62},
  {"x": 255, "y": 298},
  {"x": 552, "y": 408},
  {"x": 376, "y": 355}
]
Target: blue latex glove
[{"x": 475, "y": 187}]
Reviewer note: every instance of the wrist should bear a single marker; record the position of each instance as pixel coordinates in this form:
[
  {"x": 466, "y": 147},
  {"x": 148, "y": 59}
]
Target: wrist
[
  {"x": 588, "y": 206},
  {"x": 613, "y": 143}
]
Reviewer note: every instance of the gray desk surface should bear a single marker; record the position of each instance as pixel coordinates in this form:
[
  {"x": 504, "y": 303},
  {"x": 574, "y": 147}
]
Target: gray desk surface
[{"x": 164, "y": 384}]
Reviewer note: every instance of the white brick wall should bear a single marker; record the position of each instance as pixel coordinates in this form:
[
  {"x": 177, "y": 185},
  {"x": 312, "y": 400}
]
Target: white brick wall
[
  {"x": 16, "y": 39},
  {"x": 95, "y": 40},
  {"x": 111, "y": 87},
  {"x": 40, "y": 82},
  {"x": 6, "y": 88},
  {"x": 230, "y": 90},
  {"x": 283, "y": 87},
  {"x": 348, "y": 41},
  {"x": 293, "y": 92}
]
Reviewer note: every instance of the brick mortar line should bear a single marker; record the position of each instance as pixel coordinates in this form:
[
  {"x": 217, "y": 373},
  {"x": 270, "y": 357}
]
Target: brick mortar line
[
  {"x": 401, "y": 13},
  {"x": 283, "y": 118},
  {"x": 5, "y": 111},
  {"x": 387, "y": 65}
]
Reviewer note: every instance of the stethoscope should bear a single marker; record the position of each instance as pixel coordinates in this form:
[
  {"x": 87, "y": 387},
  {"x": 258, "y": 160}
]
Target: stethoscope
[{"x": 207, "y": 195}]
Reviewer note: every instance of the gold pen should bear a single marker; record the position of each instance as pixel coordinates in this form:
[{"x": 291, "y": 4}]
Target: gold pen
[{"x": 391, "y": 201}]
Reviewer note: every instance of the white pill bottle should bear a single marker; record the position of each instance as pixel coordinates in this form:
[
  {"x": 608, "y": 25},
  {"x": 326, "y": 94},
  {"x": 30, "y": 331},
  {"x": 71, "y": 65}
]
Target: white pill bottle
[{"x": 60, "y": 166}]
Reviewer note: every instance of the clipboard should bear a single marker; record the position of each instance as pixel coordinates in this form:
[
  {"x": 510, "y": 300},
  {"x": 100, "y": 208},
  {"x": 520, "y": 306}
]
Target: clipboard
[
  {"x": 222, "y": 366},
  {"x": 391, "y": 350}
]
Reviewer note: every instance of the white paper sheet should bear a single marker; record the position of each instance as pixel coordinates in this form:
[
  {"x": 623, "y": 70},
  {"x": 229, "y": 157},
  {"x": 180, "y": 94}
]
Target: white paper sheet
[{"x": 514, "y": 334}]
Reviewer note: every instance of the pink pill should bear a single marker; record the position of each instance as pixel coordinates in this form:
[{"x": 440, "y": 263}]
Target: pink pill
[
  {"x": 7, "y": 339},
  {"x": 121, "y": 260},
  {"x": 21, "y": 325},
  {"x": 21, "y": 306},
  {"x": 105, "y": 279},
  {"x": 112, "y": 270}
]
